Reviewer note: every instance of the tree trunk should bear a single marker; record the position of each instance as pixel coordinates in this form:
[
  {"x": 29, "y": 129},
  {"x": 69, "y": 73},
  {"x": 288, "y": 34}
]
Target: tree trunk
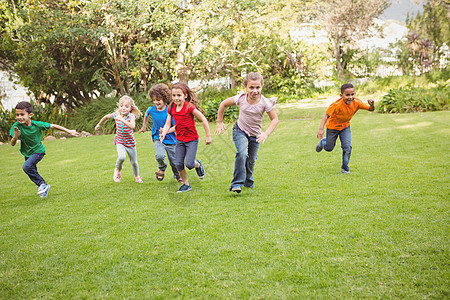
[{"x": 183, "y": 71}]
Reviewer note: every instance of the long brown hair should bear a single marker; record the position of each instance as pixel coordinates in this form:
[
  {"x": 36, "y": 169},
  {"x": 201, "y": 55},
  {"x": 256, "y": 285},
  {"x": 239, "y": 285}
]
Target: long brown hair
[{"x": 191, "y": 96}]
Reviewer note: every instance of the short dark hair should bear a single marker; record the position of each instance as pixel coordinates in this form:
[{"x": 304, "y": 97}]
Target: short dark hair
[
  {"x": 25, "y": 106},
  {"x": 346, "y": 86}
]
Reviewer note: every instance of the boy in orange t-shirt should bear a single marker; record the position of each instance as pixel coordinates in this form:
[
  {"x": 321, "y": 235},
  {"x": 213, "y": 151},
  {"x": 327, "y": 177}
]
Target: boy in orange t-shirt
[{"x": 337, "y": 119}]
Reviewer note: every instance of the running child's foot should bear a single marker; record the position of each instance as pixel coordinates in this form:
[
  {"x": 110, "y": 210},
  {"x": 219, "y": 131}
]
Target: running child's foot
[
  {"x": 200, "y": 170},
  {"x": 319, "y": 146},
  {"x": 343, "y": 171},
  {"x": 236, "y": 189},
  {"x": 43, "y": 189},
  {"x": 184, "y": 188},
  {"x": 117, "y": 176},
  {"x": 138, "y": 179}
]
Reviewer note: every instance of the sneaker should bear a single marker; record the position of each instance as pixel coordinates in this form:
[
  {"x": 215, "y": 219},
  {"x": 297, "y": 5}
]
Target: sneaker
[
  {"x": 45, "y": 193},
  {"x": 138, "y": 179},
  {"x": 117, "y": 176},
  {"x": 200, "y": 170},
  {"x": 184, "y": 188},
  {"x": 343, "y": 171},
  {"x": 236, "y": 189},
  {"x": 43, "y": 188},
  {"x": 319, "y": 146}
]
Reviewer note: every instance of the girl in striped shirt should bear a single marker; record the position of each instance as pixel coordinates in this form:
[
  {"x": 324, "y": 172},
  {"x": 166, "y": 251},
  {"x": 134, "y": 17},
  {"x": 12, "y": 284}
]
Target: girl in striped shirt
[{"x": 125, "y": 117}]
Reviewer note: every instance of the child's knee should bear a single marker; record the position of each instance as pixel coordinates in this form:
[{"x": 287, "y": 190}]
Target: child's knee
[{"x": 190, "y": 165}]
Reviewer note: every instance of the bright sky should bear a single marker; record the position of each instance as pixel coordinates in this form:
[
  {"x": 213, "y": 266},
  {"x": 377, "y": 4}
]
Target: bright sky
[{"x": 399, "y": 9}]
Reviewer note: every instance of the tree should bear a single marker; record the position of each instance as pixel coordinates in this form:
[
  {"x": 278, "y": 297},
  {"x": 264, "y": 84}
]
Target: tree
[{"x": 347, "y": 21}]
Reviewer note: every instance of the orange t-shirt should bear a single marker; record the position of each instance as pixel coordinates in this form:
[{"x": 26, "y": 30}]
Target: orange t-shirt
[{"x": 341, "y": 113}]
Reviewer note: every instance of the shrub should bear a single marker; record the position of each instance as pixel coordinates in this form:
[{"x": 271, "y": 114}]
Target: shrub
[{"x": 415, "y": 99}]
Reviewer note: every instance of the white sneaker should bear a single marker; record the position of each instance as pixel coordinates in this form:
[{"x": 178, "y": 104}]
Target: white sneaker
[
  {"x": 43, "y": 188},
  {"x": 117, "y": 176},
  {"x": 345, "y": 171}
]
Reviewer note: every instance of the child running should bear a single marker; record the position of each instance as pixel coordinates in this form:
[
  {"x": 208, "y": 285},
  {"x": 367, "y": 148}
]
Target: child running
[
  {"x": 160, "y": 95},
  {"x": 337, "y": 119},
  {"x": 125, "y": 117},
  {"x": 247, "y": 134},
  {"x": 184, "y": 110},
  {"x": 30, "y": 134}
]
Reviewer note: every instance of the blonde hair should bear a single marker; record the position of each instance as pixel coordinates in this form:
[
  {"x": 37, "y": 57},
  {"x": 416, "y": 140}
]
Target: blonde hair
[
  {"x": 253, "y": 76},
  {"x": 134, "y": 109}
]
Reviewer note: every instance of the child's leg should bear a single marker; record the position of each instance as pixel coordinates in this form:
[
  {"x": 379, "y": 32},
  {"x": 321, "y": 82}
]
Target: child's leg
[
  {"x": 241, "y": 141},
  {"x": 30, "y": 168},
  {"x": 191, "y": 151},
  {"x": 132, "y": 154},
  {"x": 330, "y": 141},
  {"x": 160, "y": 155},
  {"x": 346, "y": 145},
  {"x": 170, "y": 149},
  {"x": 253, "y": 147},
  {"x": 180, "y": 153},
  {"x": 121, "y": 155}
]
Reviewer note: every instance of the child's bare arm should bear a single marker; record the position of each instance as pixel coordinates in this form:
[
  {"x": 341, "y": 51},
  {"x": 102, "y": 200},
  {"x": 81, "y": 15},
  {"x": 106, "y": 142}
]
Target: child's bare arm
[
  {"x": 273, "y": 123},
  {"x": 108, "y": 116},
  {"x": 144, "y": 125},
  {"x": 202, "y": 118},
  {"x": 320, "y": 134},
  {"x": 15, "y": 137},
  {"x": 224, "y": 104},
  {"x": 59, "y": 127},
  {"x": 166, "y": 128}
]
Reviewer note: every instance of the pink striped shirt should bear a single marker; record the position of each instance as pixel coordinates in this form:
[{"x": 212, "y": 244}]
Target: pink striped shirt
[{"x": 124, "y": 134}]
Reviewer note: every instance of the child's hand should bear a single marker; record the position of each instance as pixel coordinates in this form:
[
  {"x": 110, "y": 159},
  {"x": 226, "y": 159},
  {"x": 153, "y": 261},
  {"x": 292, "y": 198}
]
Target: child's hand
[
  {"x": 73, "y": 132},
  {"x": 141, "y": 130},
  {"x": 208, "y": 140},
  {"x": 120, "y": 118},
  {"x": 371, "y": 102},
  {"x": 162, "y": 137},
  {"x": 97, "y": 127},
  {"x": 220, "y": 128},
  {"x": 262, "y": 138},
  {"x": 16, "y": 132},
  {"x": 320, "y": 134}
]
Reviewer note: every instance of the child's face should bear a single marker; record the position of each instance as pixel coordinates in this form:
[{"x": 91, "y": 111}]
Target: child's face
[
  {"x": 124, "y": 107},
  {"x": 178, "y": 96},
  {"x": 23, "y": 117},
  {"x": 348, "y": 96},
  {"x": 254, "y": 88},
  {"x": 159, "y": 103}
]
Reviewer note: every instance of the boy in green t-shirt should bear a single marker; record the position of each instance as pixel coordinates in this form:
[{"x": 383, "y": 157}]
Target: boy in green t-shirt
[{"x": 30, "y": 134}]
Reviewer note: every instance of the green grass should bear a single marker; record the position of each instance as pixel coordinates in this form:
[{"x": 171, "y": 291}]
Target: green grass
[{"x": 305, "y": 231}]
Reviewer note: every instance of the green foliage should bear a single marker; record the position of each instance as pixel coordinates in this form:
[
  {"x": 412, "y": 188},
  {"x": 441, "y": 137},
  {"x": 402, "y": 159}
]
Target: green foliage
[
  {"x": 415, "y": 99},
  {"x": 45, "y": 112},
  {"x": 211, "y": 106}
]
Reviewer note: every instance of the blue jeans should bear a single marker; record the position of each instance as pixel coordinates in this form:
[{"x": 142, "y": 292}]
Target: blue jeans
[
  {"x": 246, "y": 155},
  {"x": 30, "y": 168},
  {"x": 185, "y": 154},
  {"x": 345, "y": 135},
  {"x": 160, "y": 155}
]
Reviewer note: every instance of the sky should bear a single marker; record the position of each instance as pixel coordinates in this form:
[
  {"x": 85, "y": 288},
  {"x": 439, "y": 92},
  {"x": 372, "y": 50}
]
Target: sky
[{"x": 399, "y": 9}]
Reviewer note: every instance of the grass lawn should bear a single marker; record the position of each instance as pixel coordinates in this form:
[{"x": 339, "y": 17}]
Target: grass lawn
[{"x": 305, "y": 231}]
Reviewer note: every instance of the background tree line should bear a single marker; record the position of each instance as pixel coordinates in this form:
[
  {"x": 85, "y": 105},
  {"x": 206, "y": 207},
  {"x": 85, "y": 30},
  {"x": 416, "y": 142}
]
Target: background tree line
[{"x": 74, "y": 51}]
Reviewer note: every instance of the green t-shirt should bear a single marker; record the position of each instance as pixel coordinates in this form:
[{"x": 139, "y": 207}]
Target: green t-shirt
[{"x": 31, "y": 137}]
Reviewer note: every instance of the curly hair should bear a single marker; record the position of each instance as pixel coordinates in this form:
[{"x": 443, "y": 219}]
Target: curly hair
[{"x": 160, "y": 92}]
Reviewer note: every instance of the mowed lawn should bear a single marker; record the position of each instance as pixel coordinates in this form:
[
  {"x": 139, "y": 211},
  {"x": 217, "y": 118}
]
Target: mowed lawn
[{"x": 305, "y": 231}]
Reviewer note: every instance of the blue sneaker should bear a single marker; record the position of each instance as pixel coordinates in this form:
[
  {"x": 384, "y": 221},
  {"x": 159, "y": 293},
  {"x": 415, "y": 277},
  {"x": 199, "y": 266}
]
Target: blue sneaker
[
  {"x": 319, "y": 146},
  {"x": 44, "y": 190},
  {"x": 184, "y": 188},
  {"x": 200, "y": 170}
]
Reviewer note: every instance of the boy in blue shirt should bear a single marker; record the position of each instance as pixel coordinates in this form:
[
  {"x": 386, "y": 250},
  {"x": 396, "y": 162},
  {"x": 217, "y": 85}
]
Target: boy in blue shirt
[
  {"x": 30, "y": 134},
  {"x": 161, "y": 97}
]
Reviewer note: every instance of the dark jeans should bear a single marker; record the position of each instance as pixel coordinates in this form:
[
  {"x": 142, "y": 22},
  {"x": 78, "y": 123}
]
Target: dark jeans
[
  {"x": 185, "y": 154},
  {"x": 247, "y": 151},
  {"x": 345, "y": 135},
  {"x": 30, "y": 168}
]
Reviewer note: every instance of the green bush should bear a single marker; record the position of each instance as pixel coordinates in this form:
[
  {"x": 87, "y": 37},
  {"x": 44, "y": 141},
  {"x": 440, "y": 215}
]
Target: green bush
[
  {"x": 415, "y": 99},
  {"x": 46, "y": 112},
  {"x": 212, "y": 102}
]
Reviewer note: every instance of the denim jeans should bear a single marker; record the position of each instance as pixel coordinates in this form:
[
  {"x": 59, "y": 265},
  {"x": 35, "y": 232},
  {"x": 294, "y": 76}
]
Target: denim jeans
[
  {"x": 160, "y": 155},
  {"x": 246, "y": 155},
  {"x": 30, "y": 168},
  {"x": 185, "y": 154},
  {"x": 345, "y": 135}
]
